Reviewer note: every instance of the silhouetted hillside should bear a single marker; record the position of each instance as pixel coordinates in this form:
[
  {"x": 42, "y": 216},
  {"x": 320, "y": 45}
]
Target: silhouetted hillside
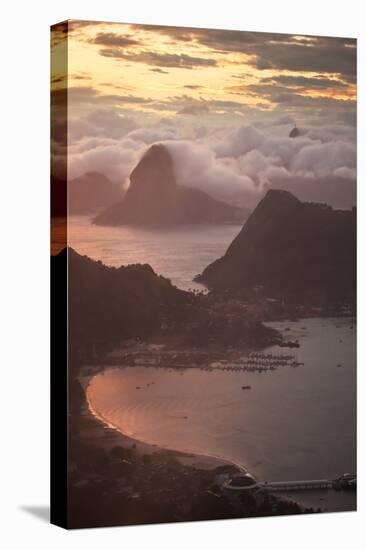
[
  {"x": 108, "y": 304},
  {"x": 290, "y": 249},
  {"x": 155, "y": 199}
]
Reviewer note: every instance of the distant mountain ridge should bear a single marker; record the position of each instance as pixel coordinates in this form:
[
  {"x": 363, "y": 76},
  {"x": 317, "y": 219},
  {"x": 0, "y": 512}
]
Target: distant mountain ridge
[
  {"x": 155, "y": 199},
  {"x": 92, "y": 192},
  {"x": 290, "y": 249}
]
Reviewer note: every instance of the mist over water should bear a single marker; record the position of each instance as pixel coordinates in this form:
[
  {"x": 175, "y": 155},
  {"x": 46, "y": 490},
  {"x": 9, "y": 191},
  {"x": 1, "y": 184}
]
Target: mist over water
[
  {"x": 294, "y": 423},
  {"x": 178, "y": 253}
]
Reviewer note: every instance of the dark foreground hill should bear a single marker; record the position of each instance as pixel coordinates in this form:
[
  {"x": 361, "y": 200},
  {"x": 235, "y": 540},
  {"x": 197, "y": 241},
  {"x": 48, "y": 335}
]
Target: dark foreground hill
[
  {"x": 107, "y": 305},
  {"x": 292, "y": 250},
  {"x": 154, "y": 198}
]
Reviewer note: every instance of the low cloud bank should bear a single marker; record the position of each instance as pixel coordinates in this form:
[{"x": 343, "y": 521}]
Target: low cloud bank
[{"x": 237, "y": 164}]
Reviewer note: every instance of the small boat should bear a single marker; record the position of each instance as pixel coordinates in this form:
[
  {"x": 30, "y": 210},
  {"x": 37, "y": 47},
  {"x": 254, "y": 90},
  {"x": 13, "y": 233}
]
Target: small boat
[
  {"x": 246, "y": 387},
  {"x": 289, "y": 344}
]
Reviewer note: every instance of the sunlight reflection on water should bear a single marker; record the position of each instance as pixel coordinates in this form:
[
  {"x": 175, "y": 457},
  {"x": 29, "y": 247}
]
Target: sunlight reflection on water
[{"x": 178, "y": 253}]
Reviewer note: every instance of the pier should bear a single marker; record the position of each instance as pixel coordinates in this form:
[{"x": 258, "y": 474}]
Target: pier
[
  {"x": 302, "y": 485},
  {"x": 240, "y": 482},
  {"x": 346, "y": 482}
]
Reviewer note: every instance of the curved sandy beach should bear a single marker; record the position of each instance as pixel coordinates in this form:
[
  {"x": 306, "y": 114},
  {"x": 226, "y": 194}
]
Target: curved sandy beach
[{"x": 187, "y": 456}]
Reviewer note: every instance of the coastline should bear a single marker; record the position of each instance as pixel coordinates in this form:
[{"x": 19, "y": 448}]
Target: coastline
[
  {"x": 136, "y": 482},
  {"x": 207, "y": 460},
  {"x": 117, "y": 437},
  {"x": 109, "y": 435}
]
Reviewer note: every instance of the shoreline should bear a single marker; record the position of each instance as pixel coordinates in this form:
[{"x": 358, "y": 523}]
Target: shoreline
[
  {"x": 187, "y": 458},
  {"x": 107, "y": 436},
  {"x": 152, "y": 481},
  {"x": 206, "y": 460}
]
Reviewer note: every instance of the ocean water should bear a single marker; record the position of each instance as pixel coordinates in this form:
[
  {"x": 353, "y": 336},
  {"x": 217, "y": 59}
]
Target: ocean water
[
  {"x": 178, "y": 253},
  {"x": 294, "y": 423}
]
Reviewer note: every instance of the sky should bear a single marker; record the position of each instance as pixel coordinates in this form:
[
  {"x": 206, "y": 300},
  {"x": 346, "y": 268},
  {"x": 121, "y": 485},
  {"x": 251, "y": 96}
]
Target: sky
[{"x": 222, "y": 101}]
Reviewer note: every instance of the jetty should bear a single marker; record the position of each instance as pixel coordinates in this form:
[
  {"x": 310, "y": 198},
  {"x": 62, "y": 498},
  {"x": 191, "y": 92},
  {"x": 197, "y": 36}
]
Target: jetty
[
  {"x": 301, "y": 485},
  {"x": 244, "y": 482}
]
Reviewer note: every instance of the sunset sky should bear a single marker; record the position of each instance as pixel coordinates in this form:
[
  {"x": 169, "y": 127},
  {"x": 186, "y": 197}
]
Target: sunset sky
[{"x": 224, "y": 100}]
